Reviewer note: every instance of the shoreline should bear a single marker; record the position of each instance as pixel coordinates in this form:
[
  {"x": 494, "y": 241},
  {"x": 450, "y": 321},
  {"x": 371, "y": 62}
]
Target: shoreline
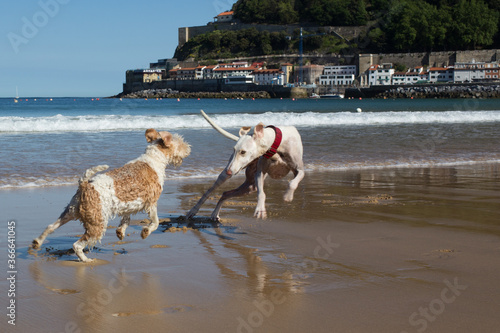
[
  {"x": 356, "y": 251},
  {"x": 417, "y": 91},
  {"x": 423, "y": 91},
  {"x": 164, "y": 93}
]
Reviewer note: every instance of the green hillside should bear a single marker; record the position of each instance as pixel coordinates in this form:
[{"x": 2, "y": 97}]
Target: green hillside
[
  {"x": 251, "y": 42},
  {"x": 393, "y": 26}
]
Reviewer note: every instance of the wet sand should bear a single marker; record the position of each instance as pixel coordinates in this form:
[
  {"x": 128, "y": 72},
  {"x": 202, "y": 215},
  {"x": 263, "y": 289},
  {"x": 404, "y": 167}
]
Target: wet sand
[{"x": 390, "y": 250}]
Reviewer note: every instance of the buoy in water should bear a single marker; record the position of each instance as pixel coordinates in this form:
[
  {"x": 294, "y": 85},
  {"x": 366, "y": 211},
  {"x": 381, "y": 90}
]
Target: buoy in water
[{"x": 359, "y": 110}]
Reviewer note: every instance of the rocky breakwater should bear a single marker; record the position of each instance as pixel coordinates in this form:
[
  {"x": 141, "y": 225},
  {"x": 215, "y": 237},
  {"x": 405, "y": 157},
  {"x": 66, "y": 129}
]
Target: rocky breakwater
[
  {"x": 443, "y": 91},
  {"x": 169, "y": 93}
]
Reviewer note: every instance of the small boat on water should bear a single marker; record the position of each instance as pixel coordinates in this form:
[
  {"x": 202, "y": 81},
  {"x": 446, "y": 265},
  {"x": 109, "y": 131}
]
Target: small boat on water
[
  {"x": 332, "y": 96},
  {"x": 314, "y": 95}
]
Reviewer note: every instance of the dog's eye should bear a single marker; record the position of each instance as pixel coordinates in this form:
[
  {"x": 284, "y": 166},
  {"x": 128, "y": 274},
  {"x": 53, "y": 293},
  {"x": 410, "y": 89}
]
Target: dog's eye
[{"x": 242, "y": 152}]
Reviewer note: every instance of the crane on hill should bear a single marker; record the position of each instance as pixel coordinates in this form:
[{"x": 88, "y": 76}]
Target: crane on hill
[{"x": 301, "y": 52}]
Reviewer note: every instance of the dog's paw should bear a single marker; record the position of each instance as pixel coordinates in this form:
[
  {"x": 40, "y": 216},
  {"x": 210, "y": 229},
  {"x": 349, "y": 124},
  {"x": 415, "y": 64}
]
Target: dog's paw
[
  {"x": 215, "y": 218},
  {"x": 260, "y": 214},
  {"x": 119, "y": 234},
  {"x": 145, "y": 233},
  {"x": 288, "y": 197},
  {"x": 35, "y": 244},
  {"x": 87, "y": 260}
]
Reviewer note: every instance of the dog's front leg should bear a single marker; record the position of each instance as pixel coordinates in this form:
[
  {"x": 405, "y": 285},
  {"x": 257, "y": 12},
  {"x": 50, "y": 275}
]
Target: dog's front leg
[
  {"x": 260, "y": 210},
  {"x": 220, "y": 180},
  {"x": 153, "y": 215},
  {"x": 244, "y": 189},
  {"x": 293, "y": 184}
]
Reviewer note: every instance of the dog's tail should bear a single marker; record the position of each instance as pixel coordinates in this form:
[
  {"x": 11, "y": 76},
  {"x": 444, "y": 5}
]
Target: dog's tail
[
  {"x": 92, "y": 171},
  {"x": 218, "y": 128}
]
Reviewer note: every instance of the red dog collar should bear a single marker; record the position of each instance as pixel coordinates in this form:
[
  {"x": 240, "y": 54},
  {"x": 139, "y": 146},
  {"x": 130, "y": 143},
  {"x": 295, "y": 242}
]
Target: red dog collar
[{"x": 276, "y": 143}]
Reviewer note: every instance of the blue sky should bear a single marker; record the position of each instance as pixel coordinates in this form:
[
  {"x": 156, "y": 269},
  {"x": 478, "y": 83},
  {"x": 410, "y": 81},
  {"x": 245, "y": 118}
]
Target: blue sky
[{"x": 73, "y": 48}]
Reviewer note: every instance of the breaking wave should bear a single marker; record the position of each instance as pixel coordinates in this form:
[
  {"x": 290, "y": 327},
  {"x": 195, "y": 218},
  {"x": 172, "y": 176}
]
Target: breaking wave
[{"x": 112, "y": 123}]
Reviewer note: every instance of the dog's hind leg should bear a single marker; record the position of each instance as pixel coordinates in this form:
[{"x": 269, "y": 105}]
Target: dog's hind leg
[
  {"x": 69, "y": 214},
  {"x": 153, "y": 215},
  {"x": 94, "y": 231},
  {"x": 120, "y": 231},
  {"x": 80, "y": 245}
]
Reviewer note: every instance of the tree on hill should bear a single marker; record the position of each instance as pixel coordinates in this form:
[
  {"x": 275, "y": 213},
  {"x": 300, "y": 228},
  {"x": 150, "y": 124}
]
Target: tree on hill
[
  {"x": 322, "y": 12},
  {"x": 394, "y": 26},
  {"x": 474, "y": 24},
  {"x": 399, "y": 25}
]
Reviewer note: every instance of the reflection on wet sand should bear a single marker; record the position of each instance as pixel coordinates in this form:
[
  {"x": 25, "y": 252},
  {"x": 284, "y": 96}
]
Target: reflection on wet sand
[
  {"x": 355, "y": 252},
  {"x": 96, "y": 294}
]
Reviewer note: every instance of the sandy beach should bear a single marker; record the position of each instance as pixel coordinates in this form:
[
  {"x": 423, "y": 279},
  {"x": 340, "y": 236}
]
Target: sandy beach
[{"x": 388, "y": 250}]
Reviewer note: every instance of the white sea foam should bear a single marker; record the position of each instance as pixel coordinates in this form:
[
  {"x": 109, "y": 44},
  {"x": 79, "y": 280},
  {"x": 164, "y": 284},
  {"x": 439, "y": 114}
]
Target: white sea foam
[{"x": 111, "y": 123}]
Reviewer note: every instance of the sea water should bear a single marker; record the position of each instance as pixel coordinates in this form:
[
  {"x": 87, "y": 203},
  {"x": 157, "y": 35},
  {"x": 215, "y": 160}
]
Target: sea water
[{"x": 51, "y": 142}]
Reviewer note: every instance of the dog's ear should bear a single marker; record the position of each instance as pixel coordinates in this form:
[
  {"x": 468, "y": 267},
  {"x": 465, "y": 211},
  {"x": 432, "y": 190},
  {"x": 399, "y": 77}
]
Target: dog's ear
[
  {"x": 258, "y": 131},
  {"x": 152, "y": 135},
  {"x": 166, "y": 137},
  {"x": 244, "y": 130}
]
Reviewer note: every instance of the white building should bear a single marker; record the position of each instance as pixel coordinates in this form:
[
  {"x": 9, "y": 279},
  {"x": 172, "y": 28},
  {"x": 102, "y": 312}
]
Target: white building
[
  {"x": 199, "y": 72},
  {"x": 339, "y": 70},
  {"x": 224, "y": 72},
  {"x": 224, "y": 17},
  {"x": 269, "y": 76},
  {"x": 440, "y": 74},
  {"x": 380, "y": 75},
  {"x": 411, "y": 76},
  {"x": 469, "y": 71},
  {"x": 338, "y": 76},
  {"x": 208, "y": 71}
]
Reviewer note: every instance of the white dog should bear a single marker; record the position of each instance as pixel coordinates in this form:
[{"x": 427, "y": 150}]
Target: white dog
[
  {"x": 269, "y": 151},
  {"x": 132, "y": 188}
]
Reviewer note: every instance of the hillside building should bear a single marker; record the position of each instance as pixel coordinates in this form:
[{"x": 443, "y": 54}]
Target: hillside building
[
  {"x": 411, "y": 76},
  {"x": 144, "y": 75},
  {"x": 269, "y": 76},
  {"x": 224, "y": 71},
  {"x": 440, "y": 74},
  {"x": 188, "y": 73},
  {"x": 380, "y": 75},
  {"x": 287, "y": 69},
  {"x": 225, "y": 17},
  {"x": 310, "y": 73},
  {"x": 469, "y": 71},
  {"x": 492, "y": 71},
  {"x": 338, "y": 76}
]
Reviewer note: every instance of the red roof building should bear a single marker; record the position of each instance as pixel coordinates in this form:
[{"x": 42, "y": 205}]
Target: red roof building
[{"x": 224, "y": 17}]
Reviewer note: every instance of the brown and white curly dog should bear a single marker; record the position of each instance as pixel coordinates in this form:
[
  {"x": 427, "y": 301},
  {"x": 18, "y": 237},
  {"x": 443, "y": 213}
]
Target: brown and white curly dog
[{"x": 130, "y": 189}]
